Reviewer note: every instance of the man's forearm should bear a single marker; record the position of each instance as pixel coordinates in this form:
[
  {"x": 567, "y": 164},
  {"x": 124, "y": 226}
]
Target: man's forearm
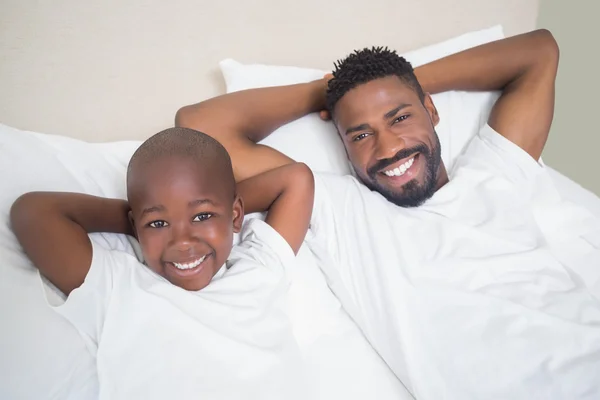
[
  {"x": 253, "y": 113},
  {"x": 491, "y": 66}
]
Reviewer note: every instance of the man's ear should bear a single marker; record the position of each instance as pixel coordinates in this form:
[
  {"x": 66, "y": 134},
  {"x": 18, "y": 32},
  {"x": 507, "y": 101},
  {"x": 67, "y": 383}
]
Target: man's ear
[
  {"x": 238, "y": 214},
  {"x": 430, "y": 107},
  {"x": 132, "y": 223}
]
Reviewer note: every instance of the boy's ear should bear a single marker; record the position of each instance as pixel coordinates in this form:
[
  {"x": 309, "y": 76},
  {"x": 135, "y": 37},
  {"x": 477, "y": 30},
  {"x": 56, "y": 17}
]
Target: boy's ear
[
  {"x": 238, "y": 214},
  {"x": 132, "y": 223}
]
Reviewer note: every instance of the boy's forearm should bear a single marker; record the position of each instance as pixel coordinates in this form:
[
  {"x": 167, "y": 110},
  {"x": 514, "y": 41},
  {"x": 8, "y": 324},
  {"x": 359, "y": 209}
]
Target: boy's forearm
[
  {"x": 262, "y": 191},
  {"x": 93, "y": 214},
  {"x": 491, "y": 66},
  {"x": 253, "y": 113},
  {"x": 287, "y": 193}
]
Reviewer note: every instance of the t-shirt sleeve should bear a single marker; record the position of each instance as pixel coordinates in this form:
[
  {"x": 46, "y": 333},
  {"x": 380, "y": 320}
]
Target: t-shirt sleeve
[
  {"x": 265, "y": 246},
  {"x": 86, "y": 306},
  {"x": 491, "y": 151},
  {"x": 332, "y": 224}
]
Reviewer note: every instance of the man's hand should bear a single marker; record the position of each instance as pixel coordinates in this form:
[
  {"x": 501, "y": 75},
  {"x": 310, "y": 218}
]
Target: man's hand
[
  {"x": 523, "y": 67},
  {"x": 324, "y": 114}
]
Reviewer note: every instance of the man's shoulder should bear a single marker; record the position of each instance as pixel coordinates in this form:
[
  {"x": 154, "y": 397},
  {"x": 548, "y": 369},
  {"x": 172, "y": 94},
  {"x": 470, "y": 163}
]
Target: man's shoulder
[{"x": 489, "y": 154}]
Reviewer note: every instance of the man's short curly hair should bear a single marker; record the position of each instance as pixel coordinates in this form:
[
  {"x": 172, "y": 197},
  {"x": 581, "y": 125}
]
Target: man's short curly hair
[{"x": 365, "y": 65}]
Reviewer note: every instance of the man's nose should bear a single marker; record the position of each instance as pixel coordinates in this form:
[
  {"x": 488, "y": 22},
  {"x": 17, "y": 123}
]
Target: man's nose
[{"x": 388, "y": 145}]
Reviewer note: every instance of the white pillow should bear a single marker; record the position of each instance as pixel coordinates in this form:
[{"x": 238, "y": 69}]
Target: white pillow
[
  {"x": 317, "y": 143},
  {"x": 42, "y": 354}
]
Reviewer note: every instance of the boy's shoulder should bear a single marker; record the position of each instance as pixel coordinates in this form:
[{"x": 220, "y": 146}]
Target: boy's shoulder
[{"x": 262, "y": 246}]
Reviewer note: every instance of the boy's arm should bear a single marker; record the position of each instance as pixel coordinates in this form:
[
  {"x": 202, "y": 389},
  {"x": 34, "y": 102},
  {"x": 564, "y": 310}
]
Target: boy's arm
[
  {"x": 53, "y": 230},
  {"x": 239, "y": 120},
  {"x": 287, "y": 192},
  {"x": 523, "y": 67}
]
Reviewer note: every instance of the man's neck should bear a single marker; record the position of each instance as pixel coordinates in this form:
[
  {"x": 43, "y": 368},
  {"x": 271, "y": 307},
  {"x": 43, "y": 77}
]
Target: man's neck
[{"x": 442, "y": 177}]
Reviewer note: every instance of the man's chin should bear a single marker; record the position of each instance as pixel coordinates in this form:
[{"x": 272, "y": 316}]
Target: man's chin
[{"x": 411, "y": 194}]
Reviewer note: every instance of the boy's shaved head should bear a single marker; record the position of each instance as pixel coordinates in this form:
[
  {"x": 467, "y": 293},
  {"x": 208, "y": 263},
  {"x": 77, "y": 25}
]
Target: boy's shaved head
[
  {"x": 184, "y": 208},
  {"x": 183, "y": 143}
]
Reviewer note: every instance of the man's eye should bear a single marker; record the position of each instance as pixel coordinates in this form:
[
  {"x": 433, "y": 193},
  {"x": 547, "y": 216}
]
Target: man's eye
[
  {"x": 158, "y": 224},
  {"x": 400, "y": 118},
  {"x": 202, "y": 217},
  {"x": 360, "y": 137}
]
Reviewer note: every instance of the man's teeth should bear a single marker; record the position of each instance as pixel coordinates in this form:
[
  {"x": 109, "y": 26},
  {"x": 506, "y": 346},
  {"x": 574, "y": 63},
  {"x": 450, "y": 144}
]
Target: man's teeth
[
  {"x": 191, "y": 265},
  {"x": 399, "y": 171}
]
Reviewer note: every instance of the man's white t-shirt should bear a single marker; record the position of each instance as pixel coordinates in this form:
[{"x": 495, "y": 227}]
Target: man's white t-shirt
[
  {"x": 154, "y": 340},
  {"x": 491, "y": 289}
]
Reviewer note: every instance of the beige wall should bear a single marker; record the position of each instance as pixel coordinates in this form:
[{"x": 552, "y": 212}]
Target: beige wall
[
  {"x": 107, "y": 70},
  {"x": 574, "y": 140}
]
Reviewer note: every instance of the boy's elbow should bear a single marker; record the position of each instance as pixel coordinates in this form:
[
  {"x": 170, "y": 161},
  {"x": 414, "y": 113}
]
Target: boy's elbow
[
  {"x": 304, "y": 179},
  {"x": 22, "y": 211}
]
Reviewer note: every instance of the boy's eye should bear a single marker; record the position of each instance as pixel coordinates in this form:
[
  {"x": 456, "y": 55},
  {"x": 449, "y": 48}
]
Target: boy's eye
[
  {"x": 158, "y": 224},
  {"x": 202, "y": 217}
]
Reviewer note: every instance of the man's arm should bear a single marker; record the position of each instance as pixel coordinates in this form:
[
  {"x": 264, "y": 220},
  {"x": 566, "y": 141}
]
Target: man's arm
[
  {"x": 239, "y": 120},
  {"x": 287, "y": 193},
  {"x": 523, "y": 67},
  {"x": 53, "y": 228}
]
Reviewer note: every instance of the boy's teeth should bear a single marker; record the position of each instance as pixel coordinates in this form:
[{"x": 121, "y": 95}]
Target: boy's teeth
[
  {"x": 399, "y": 171},
  {"x": 191, "y": 265}
]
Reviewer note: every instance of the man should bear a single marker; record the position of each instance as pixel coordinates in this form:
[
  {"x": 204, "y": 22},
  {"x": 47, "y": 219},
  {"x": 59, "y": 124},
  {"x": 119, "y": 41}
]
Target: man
[{"x": 472, "y": 287}]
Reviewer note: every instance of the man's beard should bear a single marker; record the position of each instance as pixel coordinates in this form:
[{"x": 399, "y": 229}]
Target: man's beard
[{"x": 412, "y": 194}]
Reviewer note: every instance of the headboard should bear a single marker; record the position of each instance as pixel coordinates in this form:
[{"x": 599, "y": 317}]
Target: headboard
[{"x": 111, "y": 70}]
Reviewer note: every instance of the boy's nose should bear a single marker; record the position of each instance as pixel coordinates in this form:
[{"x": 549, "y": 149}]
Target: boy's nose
[{"x": 182, "y": 238}]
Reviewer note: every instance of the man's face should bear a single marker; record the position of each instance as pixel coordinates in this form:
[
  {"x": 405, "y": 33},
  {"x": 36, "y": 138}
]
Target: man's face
[
  {"x": 390, "y": 139},
  {"x": 184, "y": 219}
]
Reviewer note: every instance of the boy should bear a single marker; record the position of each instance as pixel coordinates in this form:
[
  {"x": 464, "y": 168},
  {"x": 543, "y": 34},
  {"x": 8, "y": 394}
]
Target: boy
[{"x": 224, "y": 336}]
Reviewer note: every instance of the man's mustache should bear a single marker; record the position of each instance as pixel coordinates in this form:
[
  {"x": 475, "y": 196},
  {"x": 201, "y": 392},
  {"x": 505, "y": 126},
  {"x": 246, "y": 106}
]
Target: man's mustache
[{"x": 382, "y": 164}]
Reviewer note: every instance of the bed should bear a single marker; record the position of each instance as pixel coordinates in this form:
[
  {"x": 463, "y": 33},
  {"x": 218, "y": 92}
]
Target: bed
[{"x": 42, "y": 356}]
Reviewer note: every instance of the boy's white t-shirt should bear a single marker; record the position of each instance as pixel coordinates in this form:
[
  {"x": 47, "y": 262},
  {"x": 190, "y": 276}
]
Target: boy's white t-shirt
[
  {"x": 154, "y": 340},
  {"x": 491, "y": 289}
]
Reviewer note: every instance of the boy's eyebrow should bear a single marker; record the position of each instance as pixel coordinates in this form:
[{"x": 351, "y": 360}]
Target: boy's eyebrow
[
  {"x": 200, "y": 202},
  {"x": 160, "y": 207},
  {"x": 152, "y": 209}
]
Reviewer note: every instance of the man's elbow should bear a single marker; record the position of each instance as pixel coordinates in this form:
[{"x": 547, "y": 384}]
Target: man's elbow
[
  {"x": 547, "y": 46},
  {"x": 183, "y": 117}
]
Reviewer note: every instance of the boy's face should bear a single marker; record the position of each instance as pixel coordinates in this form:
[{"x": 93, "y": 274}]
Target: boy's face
[{"x": 184, "y": 217}]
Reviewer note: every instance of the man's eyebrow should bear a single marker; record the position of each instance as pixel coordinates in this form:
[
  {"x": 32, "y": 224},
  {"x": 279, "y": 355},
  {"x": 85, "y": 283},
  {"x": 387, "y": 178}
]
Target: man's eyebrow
[
  {"x": 357, "y": 128},
  {"x": 393, "y": 112},
  {"x": 153, "y": 209}
]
